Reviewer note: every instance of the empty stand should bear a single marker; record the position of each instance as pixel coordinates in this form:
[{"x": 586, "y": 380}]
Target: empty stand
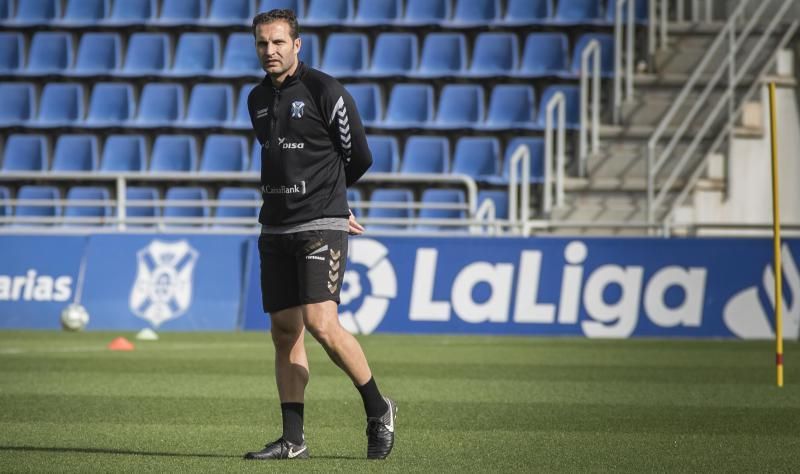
[
  {"x": 148, "y": 54},
  {"x": 27, "y": 213},
  {"x": 410, "y": 105},
  {"x": 240, "y": 57},
  {"x": 511, "y": 106},
  {"x": 124, "y": 153},
  {"x": 231, "y": 11},
  {"x": 495, "y": 54},
  {"x": 378, "y": 11},
  {"x": 460, "y": 106},
  {"x": 309, "y": 49},
  {"x": 111, "y": 104},
  {"x": 224, "y": 153},
  {"x": 50, "y": 53},
  {"x": 328, "y": 11},
  {"x": 477, "y": 157},
  {"x": 196, "y": 53},
  {"x": 79, "y": 212},
  {"x": 86, "y": 12},
  {"x": 475, "y": 12},
  {"x": 443, "y": 54},
  {"x": 499, "y": 199},
  {"x": 544, "y": 54},
  {"x": 75, "y": 153},
  {"x": 424, "y": 154},
  {"x": 98, "y": 53},
  {"x": 385, "y": 153},
  {"x": 578, "y": 11},
  {"x": 390, "y": 204},
  {"x": 369, "y": 101},
  {"x": 190, "y": 214},
  {"x": 427, "y": 11},
  {"x": 174, "y": 153},
  {"x": 526, "y": 12},
  {"x": 452, "y": 198},
  {"x": 235, "y": 214},
  {"x": 12, "y": 52},
  {"x": 61, "y": 104},
  {"x": 395, "y": 54},
  {"x": 133, "y": 11},
  {"x": 182, "y": 11},
  {"x": 210, "y": 105},
  {"x": 139, "y": 207},
  {"x": 5, "y": 207},
  {"x": 19, "y": 103},
  {"x": 25, "y": 153},
  {"x": 345, "y": 54},
  {"x": 37, "y": 11},
  {"x": 161, "y": 104}
]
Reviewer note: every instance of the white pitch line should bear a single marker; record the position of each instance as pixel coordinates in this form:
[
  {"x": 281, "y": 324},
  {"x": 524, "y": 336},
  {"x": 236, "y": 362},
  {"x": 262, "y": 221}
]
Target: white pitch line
[{"x": 149, "y": 344}]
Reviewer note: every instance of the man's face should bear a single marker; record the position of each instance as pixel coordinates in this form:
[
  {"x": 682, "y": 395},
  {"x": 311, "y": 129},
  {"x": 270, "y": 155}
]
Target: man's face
[{"x": 276, "y": 49}]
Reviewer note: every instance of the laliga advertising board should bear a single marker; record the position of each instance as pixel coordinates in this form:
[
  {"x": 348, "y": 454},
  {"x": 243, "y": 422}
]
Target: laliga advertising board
[
  {"x": 588, "y": 287},
  {"x": 597, "y": 287}
]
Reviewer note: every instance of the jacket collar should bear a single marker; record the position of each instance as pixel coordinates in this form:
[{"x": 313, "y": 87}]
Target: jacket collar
[{"x": 290, "y": 80}]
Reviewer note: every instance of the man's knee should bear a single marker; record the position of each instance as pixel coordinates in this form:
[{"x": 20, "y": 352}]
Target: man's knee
[
  {"x": 287, "y": 328},
  {"x": 322, "y": 321}
]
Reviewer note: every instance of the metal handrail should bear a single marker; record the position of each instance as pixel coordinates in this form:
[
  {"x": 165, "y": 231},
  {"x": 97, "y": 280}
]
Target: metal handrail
[
  {"x": 619, "y": 75},
  {"x": 658, "y": 26},
  {"x": 556, "y": 103},
  {"x": 519, "y": 187},
  {"x": 590, "y": 52},
  {"x": 657, "y": 192}
]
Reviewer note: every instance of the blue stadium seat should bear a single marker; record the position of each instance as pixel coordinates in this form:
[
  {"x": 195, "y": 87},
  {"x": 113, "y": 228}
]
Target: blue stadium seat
[
  {"x": 86, "y": 214},
  {"x": 640, "y": 11},
  {"x": 160, "y": 104},
  {"x": 139, "y": 207},
  {"x": 441, "y": 197},
  {"x": 255, "y": 157},
  {"x": 98, "y": 53},
  {"x": 423, "y": 154},
  {"x": 298, "y": 6},
  {"x": 477, "y": 157},
  {"x": 61, "y": 104},
  {"x": 443, "y": 54},
  {"x": 50, "y": 53},
  {"x": 133, "y": 11},
  {"x": 19, "y": 103},
  {"x": 511, "y": 106},
  {"x": 12, "y": 52},
  {"x": 309, "y": 49},
  {"x": 111, "y": 104},
  {"x": 460, "y": 106},
  {"x": 240, "y": 56},
  {"x": 395, "y": 54},
  {"x": 379, "y": 12},
  {"x": 526, "y": 12},
  {"x": 38, "y": 12},
  {"x": 5, "y": 207},
  {"x": 476, "y": 12},
  {"x": 545, "y": 54},
  {"x": 124, "y": 153},
  {"x": 495, "y": 54},
  {"x": 6, "y": 9},
  {"x": 234, "y": 212},
  {"x": 231, "y": 11},
  {"x": 242, "y": 119},
  {"x": 224, "y": 153},
  {"x": 86, "y": 12},
  {"x": 38, "y": 210},
  {"x": 181, "y": 12},
  {"x": 572, "y": 95},
  {"x": 25, "y": 153},
  {"x": 536, "y": 147},
  {"x": 410, "y": 105},
  {"x": 577, "y": 11},
  {"x": 385, "y": 153},
  {"x": 421, "y": 12},
  {"x": 328, "y": 11},
  {"x": 197, "y": 53},
  {"x": 606, "y": 53},
  {"x": 392, "y": 197},
  {"x": 186, "y": 193},
  {"x": 210, "y": 105},
  {"x": 345, "y": 54},
  {"x": 500, "y": 200},
  {"x": 75, "y": 153},
  {"x": 174, "y": 153},
  {"x": 369, "y": 101},
  {"x": 353, "y": 199},
  {"x": 148, "y": 53}
]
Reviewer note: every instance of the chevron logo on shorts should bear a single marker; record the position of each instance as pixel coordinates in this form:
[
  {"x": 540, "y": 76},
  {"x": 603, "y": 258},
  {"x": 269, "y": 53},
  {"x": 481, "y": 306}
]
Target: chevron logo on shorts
[{"x": 333, "y": 273}]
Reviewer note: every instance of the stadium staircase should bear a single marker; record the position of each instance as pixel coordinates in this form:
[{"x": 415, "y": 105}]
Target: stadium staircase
[{"x": 613, "y": 196}]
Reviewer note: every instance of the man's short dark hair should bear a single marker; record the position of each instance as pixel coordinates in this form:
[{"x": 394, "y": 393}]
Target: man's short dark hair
[{"x": 286, "y": 15}]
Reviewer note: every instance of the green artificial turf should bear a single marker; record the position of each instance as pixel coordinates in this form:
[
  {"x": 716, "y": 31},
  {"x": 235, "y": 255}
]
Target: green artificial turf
[{"x": 195, "y": 402}]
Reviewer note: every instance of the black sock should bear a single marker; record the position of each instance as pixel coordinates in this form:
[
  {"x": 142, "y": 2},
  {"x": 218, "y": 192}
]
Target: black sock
[
  {"x": 374, "y": 404},
  {"x": 292, "y": 422}
]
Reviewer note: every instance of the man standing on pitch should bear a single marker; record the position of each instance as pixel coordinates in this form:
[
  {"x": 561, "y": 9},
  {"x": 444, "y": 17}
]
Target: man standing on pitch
[{"x": 313, "y": 146}]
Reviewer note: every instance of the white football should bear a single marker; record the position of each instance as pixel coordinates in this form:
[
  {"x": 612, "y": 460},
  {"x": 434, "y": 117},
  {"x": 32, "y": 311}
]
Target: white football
[{"x": 74, "y": 318}]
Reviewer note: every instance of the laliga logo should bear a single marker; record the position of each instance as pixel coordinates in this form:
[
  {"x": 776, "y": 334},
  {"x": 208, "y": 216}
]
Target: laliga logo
[
  {"x": 382, "y": 281},
  {"x": 163, "y": 286},
  {"x": 745, "y": 316}
]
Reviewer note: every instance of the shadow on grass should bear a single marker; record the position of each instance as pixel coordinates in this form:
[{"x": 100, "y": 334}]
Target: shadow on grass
[{"x": 143, "y": 453}]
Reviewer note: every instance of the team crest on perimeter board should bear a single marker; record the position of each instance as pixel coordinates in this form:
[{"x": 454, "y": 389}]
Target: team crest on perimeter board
[
  {"x": 163, "y": 286},
  {"x": 297, "y": 109}
]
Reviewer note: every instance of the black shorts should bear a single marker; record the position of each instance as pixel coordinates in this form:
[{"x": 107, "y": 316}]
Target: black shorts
[{"x": 301, "y": 268}]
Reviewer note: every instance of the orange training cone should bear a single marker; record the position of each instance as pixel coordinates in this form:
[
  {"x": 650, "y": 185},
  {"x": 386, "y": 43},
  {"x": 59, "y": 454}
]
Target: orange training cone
[{"x": 120, "y": 344}]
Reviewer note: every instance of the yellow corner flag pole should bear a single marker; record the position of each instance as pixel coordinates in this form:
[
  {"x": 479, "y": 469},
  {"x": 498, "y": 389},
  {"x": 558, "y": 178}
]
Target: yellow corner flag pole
[{"x": 776, "y": 238}]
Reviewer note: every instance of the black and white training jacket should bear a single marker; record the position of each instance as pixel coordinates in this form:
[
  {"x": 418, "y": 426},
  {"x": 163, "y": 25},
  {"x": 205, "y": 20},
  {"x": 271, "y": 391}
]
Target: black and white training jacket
[{"x": 313, "y": 146}]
